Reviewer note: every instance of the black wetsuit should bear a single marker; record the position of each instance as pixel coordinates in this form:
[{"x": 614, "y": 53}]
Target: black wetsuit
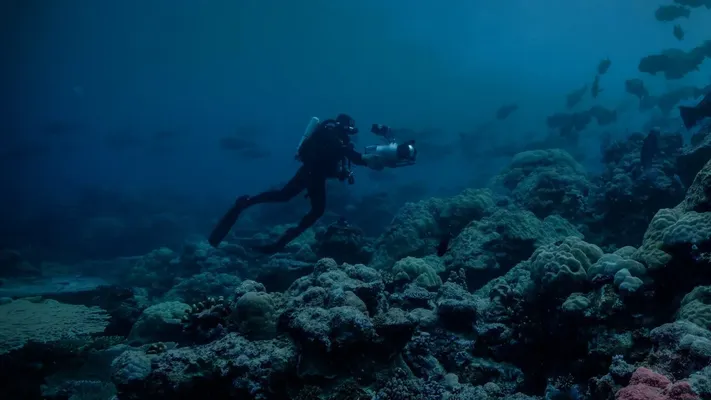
[{"x": 324, "y": 155}]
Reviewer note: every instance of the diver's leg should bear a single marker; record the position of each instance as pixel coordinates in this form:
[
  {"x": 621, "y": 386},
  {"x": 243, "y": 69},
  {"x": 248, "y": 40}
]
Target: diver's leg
[
  {"x": 292, "y": 188},
  {"x": 317, "y": 194},
  {"x": 296, "y": 185}
]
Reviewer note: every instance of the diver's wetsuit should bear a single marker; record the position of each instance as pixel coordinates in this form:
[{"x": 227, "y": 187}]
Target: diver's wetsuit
[{"x": 323, "y": 155}]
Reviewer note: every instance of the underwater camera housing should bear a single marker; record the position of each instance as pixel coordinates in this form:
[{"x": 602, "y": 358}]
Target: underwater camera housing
[
  {"x": 395, "y": 155},
  {"x": 381, "y": 130}
]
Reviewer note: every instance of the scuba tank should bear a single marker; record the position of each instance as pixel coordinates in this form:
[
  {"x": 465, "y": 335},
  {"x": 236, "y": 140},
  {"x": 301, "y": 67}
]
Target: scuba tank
[
  {"x": 310, "y": 128},
  {"x": 344, "y": 171}
]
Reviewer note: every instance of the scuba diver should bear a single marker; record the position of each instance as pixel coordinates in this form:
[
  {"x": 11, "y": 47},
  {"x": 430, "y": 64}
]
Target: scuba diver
[{"x": 326, "y": 152}]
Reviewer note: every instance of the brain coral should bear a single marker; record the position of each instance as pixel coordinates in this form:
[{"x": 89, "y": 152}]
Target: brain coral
[{"x": 562, "y": 268}]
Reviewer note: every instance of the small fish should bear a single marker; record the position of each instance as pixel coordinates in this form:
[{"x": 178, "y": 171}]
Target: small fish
[
  {"x": 678, "y": 32},
  {"x": 692, "y": 115},
  {"x": 650, "y": 148},
  {"x": 596, "y": 87},
  {"x": 694, "y": 3},
  {"x": 604, "y": 66},
  {"x": 443, "y": 245},
  {"x": 671, "y": 12},
  {"x": 602, "y": 115},
  {"x": 504, "y": 111},
  {"x": 235, "y": 143},
  {"x": 575, "y": 96},
  {"x": 636, "y": 87}
]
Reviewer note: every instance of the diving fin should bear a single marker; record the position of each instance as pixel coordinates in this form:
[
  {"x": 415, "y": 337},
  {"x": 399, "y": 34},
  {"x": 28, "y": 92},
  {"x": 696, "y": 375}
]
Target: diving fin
[
  {"x": 688, "y": 115},
  {"x": 227, "y": 222}
]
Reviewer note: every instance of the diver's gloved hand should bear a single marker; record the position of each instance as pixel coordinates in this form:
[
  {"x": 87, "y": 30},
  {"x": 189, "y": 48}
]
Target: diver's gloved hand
[{"x": 373, "y": 161}]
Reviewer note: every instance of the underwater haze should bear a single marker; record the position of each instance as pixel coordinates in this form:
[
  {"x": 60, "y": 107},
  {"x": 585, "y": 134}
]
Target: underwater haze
[
  {"x": 165, "y": 232},
  {"x": 203, "y": 70}
]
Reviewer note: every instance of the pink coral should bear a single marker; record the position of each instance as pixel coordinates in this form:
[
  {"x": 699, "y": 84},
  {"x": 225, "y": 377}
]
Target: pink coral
[
  {"x": 680, "y": 391},
  {"x": 649, "y": 385},
  {"x": 644, "y": 376}
]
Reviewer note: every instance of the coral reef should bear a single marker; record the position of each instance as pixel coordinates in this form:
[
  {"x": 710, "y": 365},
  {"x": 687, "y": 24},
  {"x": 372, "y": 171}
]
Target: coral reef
[
  {"x": 47, "y": 321},
  {"x": 648, "y": 385},
  {"x": 533, "y": 296},
  {"x": 546, "y": 182},
  {"x": 418, "y": 227},
  {"x": 627, "y": 195}
]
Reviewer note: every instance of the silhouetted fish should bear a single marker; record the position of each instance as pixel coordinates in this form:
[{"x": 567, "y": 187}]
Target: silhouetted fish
[
  {"x": 602, "y": 115},
  {"x": 650, "y": 148},
  {"x": 246, "y": 148},
  {"x": 235, "y": 143},
  {"x": 692, "y": 115},
  {"x": 505, "y": 111},
  {"x": 574, "y": 97},
  {"x": 443, "y": 245},
  {"x": 678, "y": 32},
  {"x": 603, "y": 66},
  {"x": 596, "y": 87},
  {"x": 694, "y": 3},
  {"x": 668, "y": 13},
  {"x": 636, "y": 87}
]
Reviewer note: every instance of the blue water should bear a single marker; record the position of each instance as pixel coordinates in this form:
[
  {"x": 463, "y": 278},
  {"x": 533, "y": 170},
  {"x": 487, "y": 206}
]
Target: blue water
[{"x": 206, "y": 70}]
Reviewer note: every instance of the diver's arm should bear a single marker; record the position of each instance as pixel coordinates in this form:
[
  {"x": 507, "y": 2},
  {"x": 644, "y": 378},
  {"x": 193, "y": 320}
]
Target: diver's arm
[
  {"x": 356, "y": 157},
  {"x": 371, "y": 161}
]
